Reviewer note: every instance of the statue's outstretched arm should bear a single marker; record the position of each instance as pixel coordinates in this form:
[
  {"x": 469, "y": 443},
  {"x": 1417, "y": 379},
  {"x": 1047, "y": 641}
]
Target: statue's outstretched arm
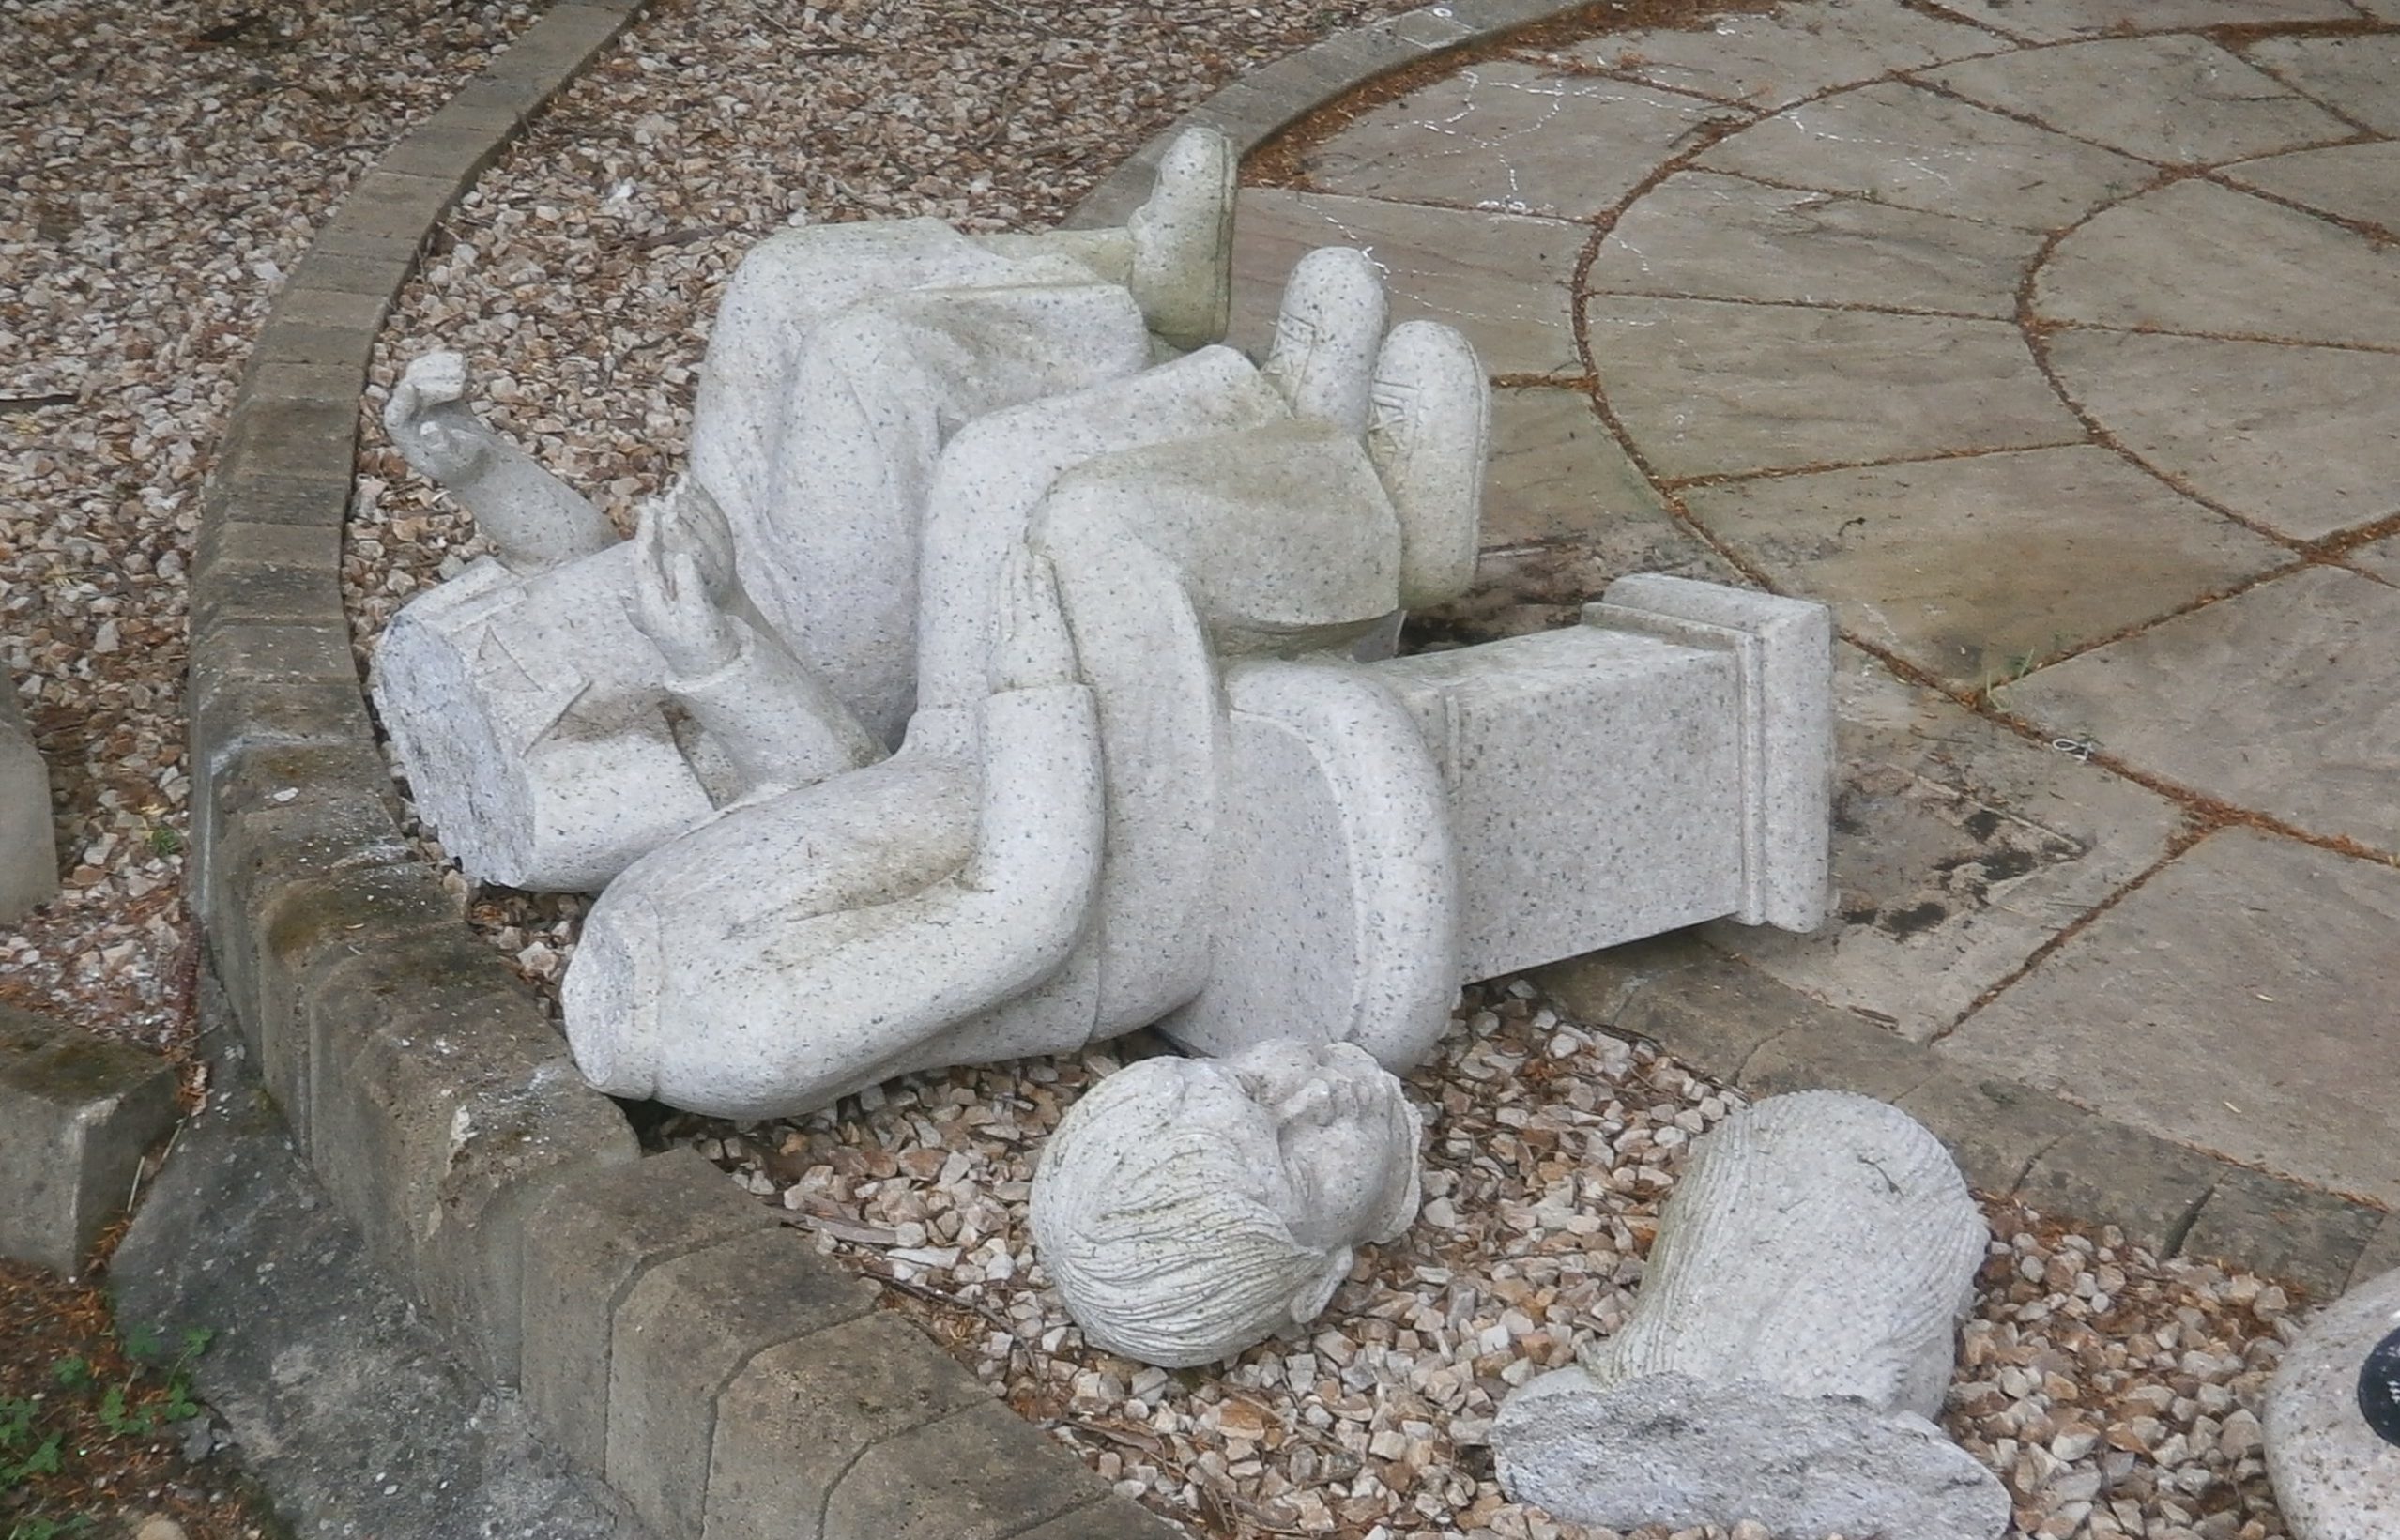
[
  {"x": 749, "y": 969},
  {"x": 533, "y": 519},
  {"x": 1010, "y": 916}
]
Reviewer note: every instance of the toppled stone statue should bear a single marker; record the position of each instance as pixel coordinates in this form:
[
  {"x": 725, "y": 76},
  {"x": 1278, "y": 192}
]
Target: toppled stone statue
[
  {"x": 28, "y": 841},
  {"x": 1109, "y": 610},
  {"x": 2332, "y": 1438},
  {"x": 1187, "y": 1208},
  {"x": 1795, "y": 1332},
  {"x": 561, "y": 714}
]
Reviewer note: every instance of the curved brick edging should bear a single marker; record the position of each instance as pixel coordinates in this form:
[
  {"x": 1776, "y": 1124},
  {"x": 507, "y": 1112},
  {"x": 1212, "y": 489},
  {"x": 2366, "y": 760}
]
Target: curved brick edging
[{"x": 666, "y": 1331}]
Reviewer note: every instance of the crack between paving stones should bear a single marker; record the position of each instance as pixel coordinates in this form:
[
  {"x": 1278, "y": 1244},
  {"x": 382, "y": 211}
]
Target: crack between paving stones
[
  {"x": 1281, "y": 159},
  {"x": 2183, "y": 841},
  {"x": 2037, "y": 333},
  {"x": 2182, "y": 168},
  {"x": 2367, "y": 230},
  {"x": 1847, "y": 307}
]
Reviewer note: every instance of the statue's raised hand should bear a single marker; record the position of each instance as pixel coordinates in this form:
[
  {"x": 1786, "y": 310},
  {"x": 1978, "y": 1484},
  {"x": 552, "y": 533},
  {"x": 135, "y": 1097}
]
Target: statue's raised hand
[
  {"x": 675, "y": 602},
  {"x": 690, "y": 523},
  {"x": 1032, "y": 647},
  {"x": 428, "y": 422}
]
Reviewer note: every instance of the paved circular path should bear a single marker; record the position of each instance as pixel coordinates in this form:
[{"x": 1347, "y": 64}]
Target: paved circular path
[{"x": 2056, "y": 344}]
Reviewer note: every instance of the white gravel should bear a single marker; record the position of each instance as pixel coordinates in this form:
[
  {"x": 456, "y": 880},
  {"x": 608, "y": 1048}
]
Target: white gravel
[
  {"x": 2116, "y": 1395},
  {"x": 167, "y": 163}
]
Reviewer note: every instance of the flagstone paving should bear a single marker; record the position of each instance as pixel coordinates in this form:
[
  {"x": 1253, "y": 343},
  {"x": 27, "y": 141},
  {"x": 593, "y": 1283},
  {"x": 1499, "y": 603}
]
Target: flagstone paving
[{"x": 2055, "y": 344}]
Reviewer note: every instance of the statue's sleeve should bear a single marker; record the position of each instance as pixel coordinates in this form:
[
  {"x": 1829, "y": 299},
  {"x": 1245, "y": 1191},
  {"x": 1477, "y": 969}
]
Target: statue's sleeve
[{"x": 775, "y": 719}]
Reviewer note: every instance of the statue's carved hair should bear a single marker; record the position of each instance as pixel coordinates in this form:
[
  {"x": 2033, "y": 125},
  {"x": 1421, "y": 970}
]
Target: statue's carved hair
[{"x": 1154, "y": 1212}]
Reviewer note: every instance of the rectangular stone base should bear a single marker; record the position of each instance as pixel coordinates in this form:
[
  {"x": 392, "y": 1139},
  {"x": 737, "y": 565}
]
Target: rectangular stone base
[{"x": 1669, "y": 761}]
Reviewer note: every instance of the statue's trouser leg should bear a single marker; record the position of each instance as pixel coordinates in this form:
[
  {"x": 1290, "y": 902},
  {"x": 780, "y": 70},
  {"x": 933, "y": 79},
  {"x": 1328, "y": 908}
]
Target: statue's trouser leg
[{"x": 828, "y": 498}]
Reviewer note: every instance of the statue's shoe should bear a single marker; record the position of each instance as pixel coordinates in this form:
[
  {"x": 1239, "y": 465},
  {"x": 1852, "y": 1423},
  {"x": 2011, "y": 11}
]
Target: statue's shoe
[
  {"x": 1327, "y": 335},
  {"x": 1183, "y": 242},
  {"x": 1426, "y": 434}
]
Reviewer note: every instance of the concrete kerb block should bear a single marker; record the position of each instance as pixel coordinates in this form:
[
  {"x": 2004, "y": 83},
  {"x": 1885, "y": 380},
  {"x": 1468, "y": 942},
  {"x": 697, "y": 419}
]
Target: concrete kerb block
[
  {"x": 437, "y": 1093},
  {"x": 28, "y": 839},
  {"x": 269, "y": 863},
  {"x": 1994, "y": 1129},
  {"x": 246, "y": 573},
  {"x": 277, "y": 497},
  {"x": 1830, "y": 1050},
  {"x": 600, "y": 1233},
  {"x": 374, "y": 279},
  {"x": 2383, "y": 1252},
  {"x": 2108, "y": 1173},
  {"x": 311, "y": 310},
  {"x": 285, "y": 377},
  {"x": 1111, "y": 1519},
  {"x": 797, "y": 1416},
  {"x": 313, "y": 437},
  {"x": 76, "y": 1115},
  {"x": 680, "y": 1335},
  {"x": 287, "y": 339},
  {"x": 1713, "y": 1015},
  {"x": 387, "y": 217},
  {"x": 2283, "y": 1230},
  {"x": 980, "y": 1473}
]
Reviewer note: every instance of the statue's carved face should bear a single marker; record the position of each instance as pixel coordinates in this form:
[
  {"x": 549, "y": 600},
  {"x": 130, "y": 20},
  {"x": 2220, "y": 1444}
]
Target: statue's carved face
[{"x": 1346, "y": 1136}]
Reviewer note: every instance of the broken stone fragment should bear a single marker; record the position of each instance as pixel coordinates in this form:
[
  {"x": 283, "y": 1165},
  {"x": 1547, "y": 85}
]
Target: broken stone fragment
[
  {"x": 1797, "y": 1329},
  {"x": 2329, "y": 1424}
]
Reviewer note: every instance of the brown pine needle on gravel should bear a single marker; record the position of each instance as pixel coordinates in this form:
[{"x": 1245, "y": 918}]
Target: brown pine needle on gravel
[{"x": 95, "y": 1418}]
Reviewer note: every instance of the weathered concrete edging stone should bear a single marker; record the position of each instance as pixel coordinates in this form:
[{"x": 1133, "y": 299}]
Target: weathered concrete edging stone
[
  {"x": 76, "y": 1114},
  {"x": 669, "y": 1335},
  {"x": 1734, "y": 1024}
]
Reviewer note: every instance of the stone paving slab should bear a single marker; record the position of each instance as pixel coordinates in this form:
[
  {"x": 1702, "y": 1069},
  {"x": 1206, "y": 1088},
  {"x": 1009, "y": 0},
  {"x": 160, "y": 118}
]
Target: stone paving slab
[
  {"x": 2290, "y": 438},
  {"x": 2379, "y": 558},
  {"x": 1513, "y": 138},
  {"x": 1501, "y": 279},
  {"x": 2354, "y": 75},
  {"x": 2240, "y": 999},
  {"x": 2285, "y": 698},
  {"x": 1704, "y": 236},
  {"x": 2349, "y": 181},
  {"x": 1907, "y": 146},
  {"x": 1555, "y": 471},
  {"x": 2197, "y": 257},
  {"x": 2176, "y": 99},
  {"x": 1977, "y": 569},
  {"x": 1774, "y": 60},
  {"x": 2055, "y": 21},
  {"x": 1959, "y": 848},
  {"x": 1712, "y": 389}
]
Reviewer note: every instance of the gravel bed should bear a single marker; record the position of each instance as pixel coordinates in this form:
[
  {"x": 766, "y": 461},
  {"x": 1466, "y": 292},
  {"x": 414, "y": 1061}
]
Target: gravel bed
[
  {"x": 2115, "y": 1394},
  {"x": 168, "y": 163}
]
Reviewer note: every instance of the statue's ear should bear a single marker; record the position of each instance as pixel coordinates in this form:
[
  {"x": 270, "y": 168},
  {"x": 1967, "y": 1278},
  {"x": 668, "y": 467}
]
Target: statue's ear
[{"x": 1310, "y": 1301}]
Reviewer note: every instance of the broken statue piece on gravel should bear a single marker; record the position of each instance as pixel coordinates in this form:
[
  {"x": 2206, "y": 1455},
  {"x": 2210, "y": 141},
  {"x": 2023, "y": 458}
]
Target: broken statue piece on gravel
[
  {"x": 28, "y": 843},
  {"x": 1794, "y": 1335},
  {"x": 2336, "y": 1473},
  {"x": 1188, "y": 1208}
]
